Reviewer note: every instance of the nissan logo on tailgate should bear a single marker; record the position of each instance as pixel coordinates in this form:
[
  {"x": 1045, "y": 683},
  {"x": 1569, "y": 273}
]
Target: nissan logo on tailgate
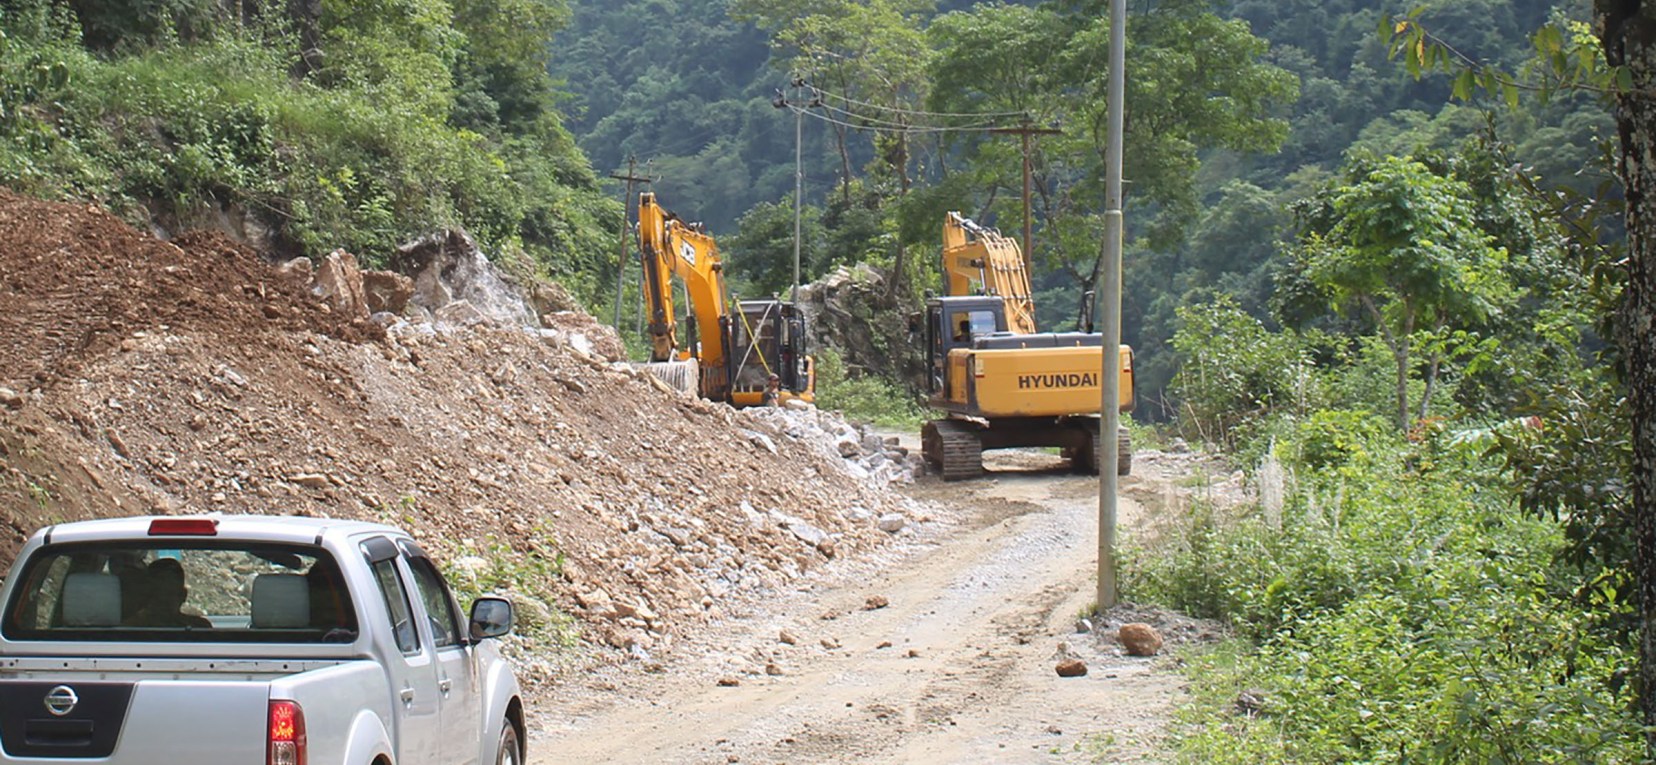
[{"x": 61, "y": 700}]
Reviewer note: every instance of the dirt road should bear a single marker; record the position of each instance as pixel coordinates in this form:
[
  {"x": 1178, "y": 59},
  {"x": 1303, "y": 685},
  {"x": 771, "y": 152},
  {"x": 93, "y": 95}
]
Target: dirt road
[{"x": 958, "y": 668}]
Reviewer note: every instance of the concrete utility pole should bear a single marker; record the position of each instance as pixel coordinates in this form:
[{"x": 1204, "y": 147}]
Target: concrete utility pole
[
  {"x": 626, "y": 206},
  {"x": 1109, "y": 409},
  {"x": 799, "y": 193},
  {"x": 798, "y": 107},
  {"x": 1026, "y": 131}
]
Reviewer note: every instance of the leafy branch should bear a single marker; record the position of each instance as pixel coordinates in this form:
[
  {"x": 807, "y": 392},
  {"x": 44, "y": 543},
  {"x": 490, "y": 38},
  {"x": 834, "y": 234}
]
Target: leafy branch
[{"x": 1567, "y": 58}]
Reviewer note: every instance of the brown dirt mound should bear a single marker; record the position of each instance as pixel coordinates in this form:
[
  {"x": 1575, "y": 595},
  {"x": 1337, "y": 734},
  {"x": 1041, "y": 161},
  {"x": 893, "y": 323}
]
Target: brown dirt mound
[
  {"x": 189, "y": 377},
  {"x": 77, "y": 278}
]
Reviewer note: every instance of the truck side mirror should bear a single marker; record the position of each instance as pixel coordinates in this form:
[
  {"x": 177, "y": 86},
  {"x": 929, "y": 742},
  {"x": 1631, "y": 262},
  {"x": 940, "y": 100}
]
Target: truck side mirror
[{"x": 490, "y": 617}]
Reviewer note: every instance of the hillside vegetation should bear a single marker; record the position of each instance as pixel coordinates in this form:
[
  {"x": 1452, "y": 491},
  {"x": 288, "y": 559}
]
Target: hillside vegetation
[
  {"x": 304, "y": 127},
  {"x": 1237, "y": 110}
]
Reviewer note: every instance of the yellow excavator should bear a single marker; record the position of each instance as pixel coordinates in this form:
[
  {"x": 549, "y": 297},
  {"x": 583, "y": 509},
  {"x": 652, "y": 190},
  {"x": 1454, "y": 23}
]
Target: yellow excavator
[
  {"x": 997, "y": 380},
  {"x": 733, "y": 347}
]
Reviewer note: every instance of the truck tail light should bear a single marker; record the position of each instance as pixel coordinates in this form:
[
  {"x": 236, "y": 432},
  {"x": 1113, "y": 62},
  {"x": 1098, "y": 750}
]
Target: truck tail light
[
  {"x": 188, "y": 527},
  {"x": 286, "y": 738}
]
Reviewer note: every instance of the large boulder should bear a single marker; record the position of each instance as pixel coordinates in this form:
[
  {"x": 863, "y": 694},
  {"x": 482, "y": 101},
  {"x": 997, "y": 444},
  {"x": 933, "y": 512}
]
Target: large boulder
[
  {"x": 448, "y": 267},
  {"x": 852, "y": 311},
  {"x": 338, "y": 282},
  {"x": 386, "y": 291},
  {"x": 1140, "y": 639}
]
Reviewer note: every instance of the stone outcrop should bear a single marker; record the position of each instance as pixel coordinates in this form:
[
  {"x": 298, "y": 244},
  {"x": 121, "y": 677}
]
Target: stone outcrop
[{"x": 448, "y": 267}]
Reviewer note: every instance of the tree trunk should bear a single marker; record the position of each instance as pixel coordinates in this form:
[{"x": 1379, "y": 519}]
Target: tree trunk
[
  {"x": 1628, "y": 31},
  {"x": 845, "y": 164},
  {"x": 1433, "y": 365},
  {"x": 899, "y": 275},
  {"x": 1398, "y": 342},
  {"x": 306, "y": 16},
  {"x": 1400, "y": 352}
]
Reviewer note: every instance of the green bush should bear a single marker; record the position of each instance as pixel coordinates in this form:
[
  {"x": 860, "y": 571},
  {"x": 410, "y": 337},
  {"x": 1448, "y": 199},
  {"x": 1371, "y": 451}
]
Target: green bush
[
  {"x": 1394, "y": 609},
  {"x": 1332, "y": 439},
  {"x": 864, "y": 398},
  {"x": 361, "y": 155},
  {"x": 1234, "y": 374}
]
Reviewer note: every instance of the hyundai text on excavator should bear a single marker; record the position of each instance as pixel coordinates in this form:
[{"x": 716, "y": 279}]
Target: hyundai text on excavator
[
  {"x": 998, "y": 381},
  {"x": 730, "y": 354}
]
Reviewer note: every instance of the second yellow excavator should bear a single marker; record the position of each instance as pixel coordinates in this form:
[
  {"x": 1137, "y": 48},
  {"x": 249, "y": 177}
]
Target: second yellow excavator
[
  {"x": 733, "y": 347},
  {"x": 997, "y": 380}
]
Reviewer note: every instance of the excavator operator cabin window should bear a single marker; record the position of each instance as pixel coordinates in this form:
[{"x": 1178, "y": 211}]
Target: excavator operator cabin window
[{"x": 972, "y": 324}]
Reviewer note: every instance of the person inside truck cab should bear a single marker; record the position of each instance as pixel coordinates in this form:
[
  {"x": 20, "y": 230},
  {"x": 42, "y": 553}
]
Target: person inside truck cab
[
  {"x": 964, "y": 331},
  {"x": 166, "y": 592}
]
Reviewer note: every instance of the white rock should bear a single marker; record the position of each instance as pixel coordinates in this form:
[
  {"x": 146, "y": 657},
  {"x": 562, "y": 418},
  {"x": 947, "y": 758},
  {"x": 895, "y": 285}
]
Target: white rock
[
  {"x": 580, "y": 343},
  {"x": 808, "y": 534},
  {"x": 892, "y": 522}
]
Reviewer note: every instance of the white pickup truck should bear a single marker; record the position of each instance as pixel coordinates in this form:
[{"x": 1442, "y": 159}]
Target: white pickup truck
[{"x": 247, "y": 639}]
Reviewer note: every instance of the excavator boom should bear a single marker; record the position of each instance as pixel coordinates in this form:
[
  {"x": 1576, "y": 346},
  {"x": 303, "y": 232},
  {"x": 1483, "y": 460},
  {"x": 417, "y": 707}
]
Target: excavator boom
[
  {"x": 979, "y": 261},
  {"x": 672, "y": 248}
]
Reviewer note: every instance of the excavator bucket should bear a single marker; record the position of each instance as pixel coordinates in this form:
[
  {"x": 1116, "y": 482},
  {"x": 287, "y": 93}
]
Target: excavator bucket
[{"x": 682, "y": 376}]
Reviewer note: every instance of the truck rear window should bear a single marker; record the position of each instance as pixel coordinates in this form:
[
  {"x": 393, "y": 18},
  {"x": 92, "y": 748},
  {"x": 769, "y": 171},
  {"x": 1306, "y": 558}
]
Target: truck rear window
[{"x": 166, "y": 591}]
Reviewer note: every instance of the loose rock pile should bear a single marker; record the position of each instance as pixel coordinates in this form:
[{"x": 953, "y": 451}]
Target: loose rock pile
[
  {"x": 869, "y": 456},
  {"x": 190, "y": 376}
]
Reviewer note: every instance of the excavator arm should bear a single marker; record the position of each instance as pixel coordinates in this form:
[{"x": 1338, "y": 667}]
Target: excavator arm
[
  {"x": 979, "y": 261},
  {"x": 672, "y": 248},
  {"x": 654, "y": 248}
]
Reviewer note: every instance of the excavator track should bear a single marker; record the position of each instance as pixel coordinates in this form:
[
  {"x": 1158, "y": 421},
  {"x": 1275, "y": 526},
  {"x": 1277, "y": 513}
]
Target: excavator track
[
  {"x": 1086, "y": 459},
  {"x": 953, "y": 448}
]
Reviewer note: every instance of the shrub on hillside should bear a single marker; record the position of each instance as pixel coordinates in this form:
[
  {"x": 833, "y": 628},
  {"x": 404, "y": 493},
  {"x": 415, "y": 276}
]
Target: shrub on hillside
[
  {"x": 1235, "y": 374},
  {"x": 863, "y": 398},
  {"x": 1398, "y": 610},
  {"x": 364, "y": 155}
]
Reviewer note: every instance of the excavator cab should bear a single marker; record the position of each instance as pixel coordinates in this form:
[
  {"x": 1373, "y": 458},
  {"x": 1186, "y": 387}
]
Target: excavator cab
[
  {"x": 769, "y": 338},
  {"x": 957, "y": 322}
]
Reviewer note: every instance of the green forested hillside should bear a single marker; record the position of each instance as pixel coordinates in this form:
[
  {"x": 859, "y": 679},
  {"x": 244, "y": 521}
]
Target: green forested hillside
[
  {"x": 1236, "y": 110},
  {"x": 306, "y": 126}
]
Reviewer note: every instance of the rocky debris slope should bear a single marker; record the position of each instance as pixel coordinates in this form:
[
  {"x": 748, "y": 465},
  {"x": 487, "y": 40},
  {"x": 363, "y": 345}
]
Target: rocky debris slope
[
  {"x": 146, "y": 376},
  {"x": 850, "y": 309},
  {"x": 869, "y": 456}
]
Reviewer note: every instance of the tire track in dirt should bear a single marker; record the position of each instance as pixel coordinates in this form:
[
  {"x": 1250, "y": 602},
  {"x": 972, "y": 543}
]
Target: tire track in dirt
[{"x": 958, "y": 668}]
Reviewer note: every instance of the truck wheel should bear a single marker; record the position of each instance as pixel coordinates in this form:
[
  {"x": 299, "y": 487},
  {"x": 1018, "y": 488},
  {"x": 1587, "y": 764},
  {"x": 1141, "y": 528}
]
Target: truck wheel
[{"x": 509, "y": 753}]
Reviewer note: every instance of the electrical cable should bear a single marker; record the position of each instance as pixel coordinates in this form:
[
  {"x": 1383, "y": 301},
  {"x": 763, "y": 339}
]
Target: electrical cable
[
  {"x": 916, "y": 112},
  {"x": 901, "y": 126},
  {"x": 908, "y": 130}
]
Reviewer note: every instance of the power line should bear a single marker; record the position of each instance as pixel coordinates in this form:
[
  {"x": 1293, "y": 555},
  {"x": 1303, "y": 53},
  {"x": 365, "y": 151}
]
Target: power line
[
  {"x": 897, "y": 125},
  {"x": 909, "y": 129},
  {"x": 918, "y": 112}
]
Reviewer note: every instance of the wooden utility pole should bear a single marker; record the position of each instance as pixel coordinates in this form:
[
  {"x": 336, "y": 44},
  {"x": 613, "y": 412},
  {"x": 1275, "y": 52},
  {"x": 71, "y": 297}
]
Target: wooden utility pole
[
  {"x": 1026, "y": 130},
  {"x": 626, "y": 202}
]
